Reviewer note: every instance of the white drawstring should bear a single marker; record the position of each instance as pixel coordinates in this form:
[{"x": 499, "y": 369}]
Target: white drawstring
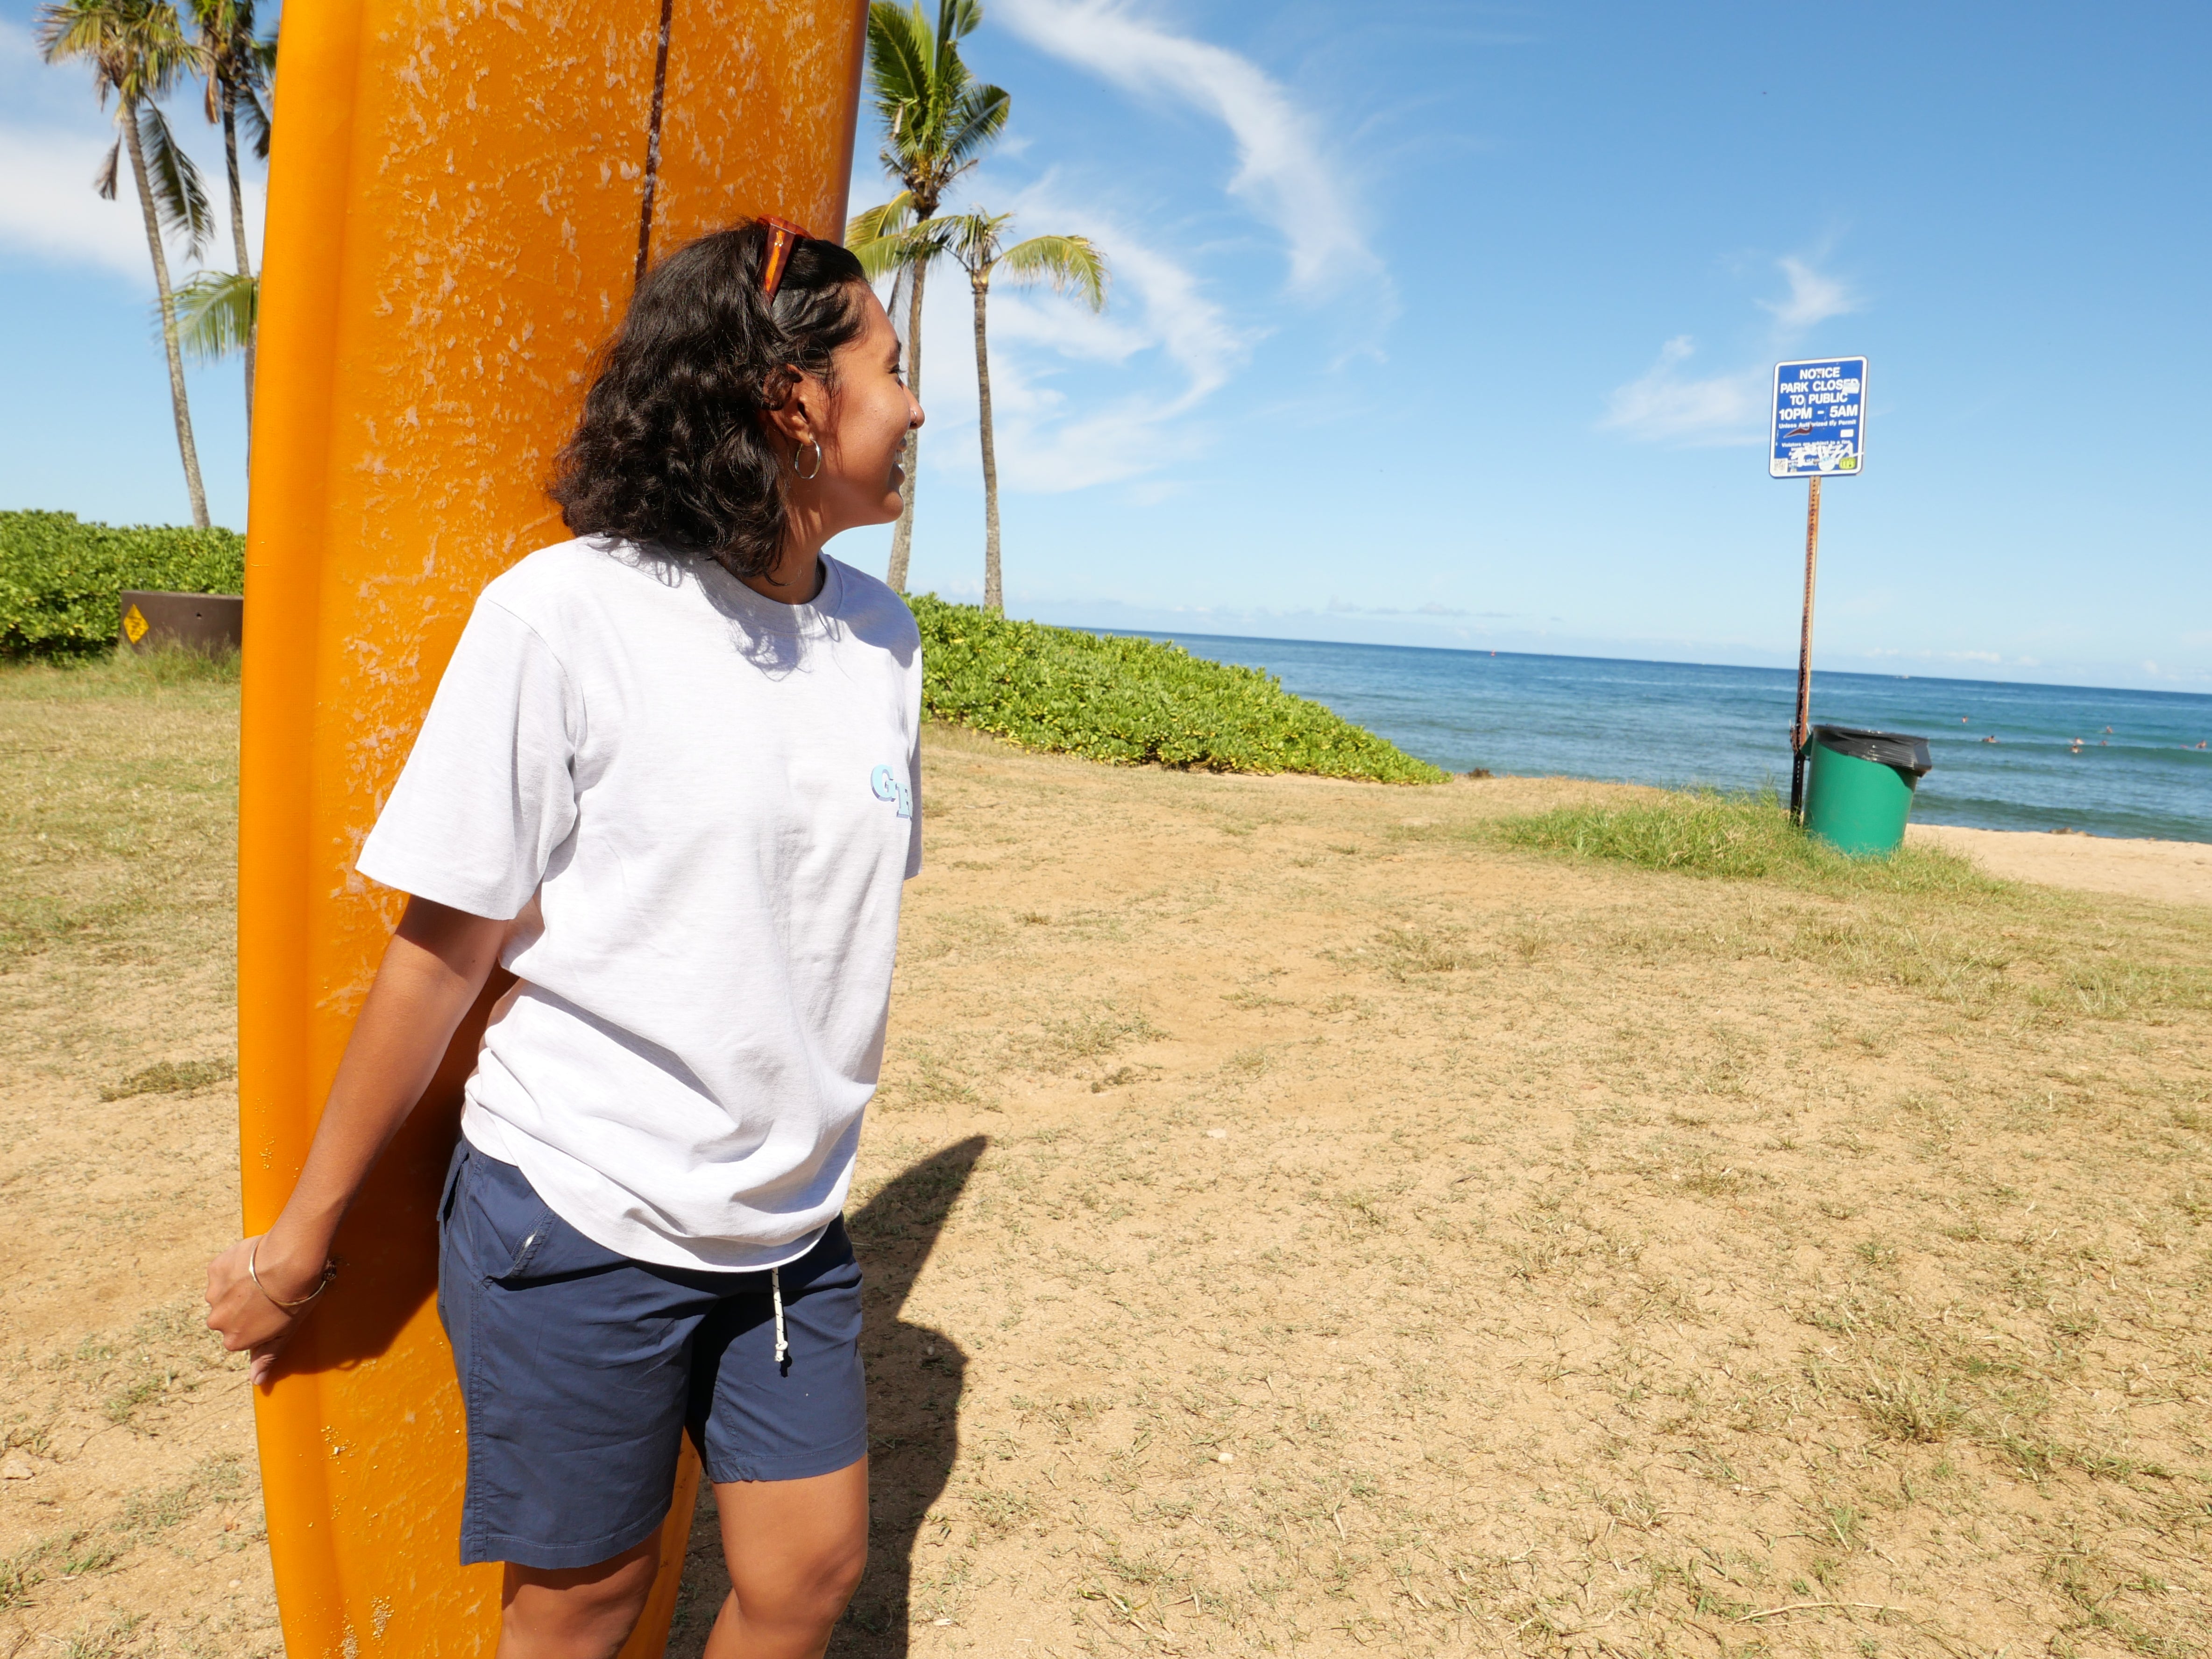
[{"x": 776, "y": 1294}]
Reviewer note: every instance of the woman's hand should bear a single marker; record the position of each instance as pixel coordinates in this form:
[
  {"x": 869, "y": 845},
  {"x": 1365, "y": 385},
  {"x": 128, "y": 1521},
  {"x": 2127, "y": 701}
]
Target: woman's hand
[
  {"x": 437, "y": 962},
  {"x": 246, "y": 1315}
]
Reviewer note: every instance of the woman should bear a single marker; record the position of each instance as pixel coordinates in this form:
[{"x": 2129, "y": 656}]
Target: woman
[{"x": 669, "y": 781}]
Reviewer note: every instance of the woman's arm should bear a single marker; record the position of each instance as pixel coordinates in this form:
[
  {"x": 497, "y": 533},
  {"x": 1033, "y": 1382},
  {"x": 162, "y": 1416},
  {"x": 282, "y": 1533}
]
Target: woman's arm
[{"x": 437, "y": 962}]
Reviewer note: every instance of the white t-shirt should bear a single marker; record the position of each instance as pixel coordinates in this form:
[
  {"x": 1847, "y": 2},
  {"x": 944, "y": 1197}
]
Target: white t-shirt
[{"x": 698, "y": 806}]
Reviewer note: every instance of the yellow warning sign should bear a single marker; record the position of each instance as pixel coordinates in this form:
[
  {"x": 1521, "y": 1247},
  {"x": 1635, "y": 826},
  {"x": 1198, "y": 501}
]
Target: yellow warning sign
[{"x": 135, "y": 625}]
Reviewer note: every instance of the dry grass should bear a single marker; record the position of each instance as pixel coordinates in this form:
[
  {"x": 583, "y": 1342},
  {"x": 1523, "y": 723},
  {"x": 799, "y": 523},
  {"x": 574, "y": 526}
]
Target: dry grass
[
  {"x": 130, "y": 1518},
  {"x": 1704, "y": 832},
  {"x": 1328, "y": 1230},
  {"x": 1567, "y": 1256}
]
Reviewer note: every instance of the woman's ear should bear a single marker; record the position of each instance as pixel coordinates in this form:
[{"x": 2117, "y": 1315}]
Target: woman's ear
[{"x": 795, "y": 420}]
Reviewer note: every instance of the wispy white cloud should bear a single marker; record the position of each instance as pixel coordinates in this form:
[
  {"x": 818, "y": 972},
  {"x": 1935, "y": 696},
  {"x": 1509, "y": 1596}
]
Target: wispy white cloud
[
  {"x": 1282, "y": 170},
  {"x": 1667, "y": 404},
  {"x": 2171, "y": 676},
  {"x": 1887, "y": 654},
  {"x": 1813, "y": 298},
  {"x": 1427, "y": 608},
  {"x": 48, "y": 208},
  {"x": 1175, "y": 347},
  {"x": 1083, "y": 400},
  {"x": 49, "y": 152},
  {"x": 1156, "y": 303}
]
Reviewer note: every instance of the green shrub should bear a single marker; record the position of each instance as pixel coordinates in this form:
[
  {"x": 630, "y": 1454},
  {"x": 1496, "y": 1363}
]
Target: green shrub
[
  {"x": 1130, "y": 702},
  {"x": 59, "y": 576},
  {"x": 1702, "y": 832}
]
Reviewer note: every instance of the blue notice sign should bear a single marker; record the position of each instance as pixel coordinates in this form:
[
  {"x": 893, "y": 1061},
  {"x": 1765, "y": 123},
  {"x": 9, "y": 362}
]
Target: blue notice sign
[{"x": 1820, "y": 417}]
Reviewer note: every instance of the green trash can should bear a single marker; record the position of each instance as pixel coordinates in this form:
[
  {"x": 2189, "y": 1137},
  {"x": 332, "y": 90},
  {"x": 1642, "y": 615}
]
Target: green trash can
[{"x": 1859, "y": 787}]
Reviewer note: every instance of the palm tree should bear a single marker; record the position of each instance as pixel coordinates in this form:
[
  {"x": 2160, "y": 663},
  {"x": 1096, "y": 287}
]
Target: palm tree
[
  {"x": 219, "y": 310},
  {"x": 936, "y": 118},
  {"x": 1067, "y": 262},
  {"x": 136, "y": 49}
]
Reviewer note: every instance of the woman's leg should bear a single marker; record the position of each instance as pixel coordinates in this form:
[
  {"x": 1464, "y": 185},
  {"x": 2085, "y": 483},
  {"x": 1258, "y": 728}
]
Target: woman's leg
[
  {"x": 795, "y": 1550},
  {"x": 574, "y": 1363},
  {"x": 575, "y": 1612}
]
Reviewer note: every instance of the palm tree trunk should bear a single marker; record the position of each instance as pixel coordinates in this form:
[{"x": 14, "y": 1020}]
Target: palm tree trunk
[
  {"x": 128, "y": 116},
  {"x": 238, "y": 235},
  {"x": 903, "y": 537},
  {"x": 993, "y": 598}
]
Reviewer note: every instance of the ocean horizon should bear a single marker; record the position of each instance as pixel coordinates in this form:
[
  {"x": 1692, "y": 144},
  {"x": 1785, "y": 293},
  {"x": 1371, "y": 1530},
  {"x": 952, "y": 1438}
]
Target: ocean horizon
[{"x": 2009, "y": 755}]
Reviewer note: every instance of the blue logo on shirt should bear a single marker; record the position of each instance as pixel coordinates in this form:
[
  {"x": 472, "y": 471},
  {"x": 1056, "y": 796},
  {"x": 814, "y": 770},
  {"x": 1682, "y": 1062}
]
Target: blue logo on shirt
[{"x": 885, "y": 784}]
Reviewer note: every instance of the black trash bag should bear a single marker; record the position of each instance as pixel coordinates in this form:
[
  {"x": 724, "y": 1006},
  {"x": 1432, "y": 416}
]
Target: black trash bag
[{"x": 1907, "y": 754}]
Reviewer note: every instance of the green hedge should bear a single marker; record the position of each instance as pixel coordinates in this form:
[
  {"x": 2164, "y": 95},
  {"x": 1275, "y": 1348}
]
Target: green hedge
[
  {"x": 59, "y": 576},
  {"x": 1110, "y": 698},
  {"x": 1100, "y": 695}
]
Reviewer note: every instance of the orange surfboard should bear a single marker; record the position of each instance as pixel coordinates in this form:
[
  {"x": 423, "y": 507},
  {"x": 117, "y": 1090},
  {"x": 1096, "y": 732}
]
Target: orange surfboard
[{"x": 461, "y": 195}]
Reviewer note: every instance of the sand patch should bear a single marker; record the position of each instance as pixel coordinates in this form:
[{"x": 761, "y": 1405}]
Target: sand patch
[{"x": 2171, "y": 872}]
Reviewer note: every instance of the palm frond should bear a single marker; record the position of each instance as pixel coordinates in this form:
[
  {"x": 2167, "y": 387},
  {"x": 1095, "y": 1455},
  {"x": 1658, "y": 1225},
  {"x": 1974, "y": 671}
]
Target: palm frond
[
  {"x": 215, "y": 314},
  {"x": 900, "y": 54},
  {"x": 137, "y": 48},
  {"x": 1067, "y": 262},
  {"x": 973, "y": 238},
  {"x": 979, "y": 116},
  {"x": 236, "y": 63},
  {"x": 165, "y": 54},
  {"x": 104, "y": 180},
  {"x": 180, "y": 198},
  {"x": 878, "y": 257},
  {"x": 226, "y": 32},
  {"x": 917, "y": 244},
  {"x": 873, "y": 224},
  {"x": 79, "y": 28},
  {"x": 254, "y": 122},
  {"x": 957, "y": 19}
]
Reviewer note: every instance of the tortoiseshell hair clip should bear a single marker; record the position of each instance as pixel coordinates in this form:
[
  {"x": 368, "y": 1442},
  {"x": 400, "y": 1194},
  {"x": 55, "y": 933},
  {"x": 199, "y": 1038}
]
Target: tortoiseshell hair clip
[{"x": 782, "y": 237}]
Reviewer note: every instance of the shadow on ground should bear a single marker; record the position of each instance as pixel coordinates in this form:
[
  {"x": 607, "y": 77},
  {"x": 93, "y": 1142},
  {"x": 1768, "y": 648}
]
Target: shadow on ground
[{"x": 914, "y": 1378}]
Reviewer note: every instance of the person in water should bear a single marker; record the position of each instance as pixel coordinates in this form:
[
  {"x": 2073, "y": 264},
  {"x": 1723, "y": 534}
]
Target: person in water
[{"x": 669, "y": 783}]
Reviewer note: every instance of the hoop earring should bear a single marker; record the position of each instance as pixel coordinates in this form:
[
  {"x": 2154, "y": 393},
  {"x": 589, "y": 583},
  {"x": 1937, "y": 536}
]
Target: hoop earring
[{"x": 808, "y": 477}]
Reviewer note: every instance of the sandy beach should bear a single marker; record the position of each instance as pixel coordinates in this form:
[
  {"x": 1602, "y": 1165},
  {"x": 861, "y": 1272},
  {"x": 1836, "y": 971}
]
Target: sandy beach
[
  {"x": 2171, "y": 872},
  {"x": 1294, "y": 1224}
]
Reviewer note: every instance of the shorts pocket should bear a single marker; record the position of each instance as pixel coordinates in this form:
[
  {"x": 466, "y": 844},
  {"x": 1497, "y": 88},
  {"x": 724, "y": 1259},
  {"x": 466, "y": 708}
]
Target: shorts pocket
[
  {"x": 532, "y": 1246},
  {"x": 453, "y": 1167},
  {"x": 506, "y": 1225}
]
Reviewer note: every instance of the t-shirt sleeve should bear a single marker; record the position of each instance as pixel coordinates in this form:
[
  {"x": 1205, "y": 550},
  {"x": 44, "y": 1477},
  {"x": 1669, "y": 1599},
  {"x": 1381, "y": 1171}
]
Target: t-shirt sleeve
[{"x": 489, "y": 792}]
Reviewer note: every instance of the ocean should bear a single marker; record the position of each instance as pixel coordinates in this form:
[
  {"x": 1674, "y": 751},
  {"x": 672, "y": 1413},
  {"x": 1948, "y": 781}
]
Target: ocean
[{"x": 2006, "y": 754}]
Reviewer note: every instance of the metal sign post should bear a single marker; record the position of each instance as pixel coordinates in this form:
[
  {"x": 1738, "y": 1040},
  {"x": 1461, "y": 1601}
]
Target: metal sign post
[
  {"x": 1803, "y": 729},
  {"x": 1819, "y": 428}
]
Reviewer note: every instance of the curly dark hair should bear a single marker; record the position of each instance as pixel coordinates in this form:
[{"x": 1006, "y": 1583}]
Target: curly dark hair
[{"x": 673, "y": 447}]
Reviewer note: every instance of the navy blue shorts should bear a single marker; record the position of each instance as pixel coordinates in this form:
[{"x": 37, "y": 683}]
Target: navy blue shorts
[{"x": 580, "y": 1368}]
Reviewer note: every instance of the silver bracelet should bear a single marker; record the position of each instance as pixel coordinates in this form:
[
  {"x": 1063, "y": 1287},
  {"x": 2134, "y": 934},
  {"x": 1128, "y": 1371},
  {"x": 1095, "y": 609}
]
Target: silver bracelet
[{"x": 330, "y": 1272}]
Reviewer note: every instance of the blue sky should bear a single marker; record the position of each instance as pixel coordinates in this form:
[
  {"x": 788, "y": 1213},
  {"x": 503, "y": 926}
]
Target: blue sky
[{"x": 1451, "y": 324}]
